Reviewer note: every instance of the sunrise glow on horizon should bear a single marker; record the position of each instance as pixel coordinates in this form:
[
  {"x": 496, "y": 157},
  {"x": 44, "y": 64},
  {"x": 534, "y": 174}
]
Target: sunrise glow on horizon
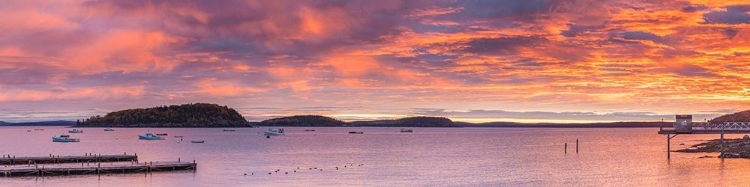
[{"x": 474, "y": 61}]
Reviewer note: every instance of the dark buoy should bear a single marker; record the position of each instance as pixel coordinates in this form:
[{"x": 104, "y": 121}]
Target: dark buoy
[
  {"x": 245, "y": 174},
  {"x": 268, "y": 136},
  {"x": 269, "y": 173},
  {"x": 286, "y": 172}
]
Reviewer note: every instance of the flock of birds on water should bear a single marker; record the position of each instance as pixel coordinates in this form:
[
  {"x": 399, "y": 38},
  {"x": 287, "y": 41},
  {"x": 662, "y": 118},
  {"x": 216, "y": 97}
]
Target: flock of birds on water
[{"x": 312, "y": 168}]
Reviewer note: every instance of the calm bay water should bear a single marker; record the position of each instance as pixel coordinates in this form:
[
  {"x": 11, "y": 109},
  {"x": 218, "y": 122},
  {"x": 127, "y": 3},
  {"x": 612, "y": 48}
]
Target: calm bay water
[{"x": 427, "y": 157}]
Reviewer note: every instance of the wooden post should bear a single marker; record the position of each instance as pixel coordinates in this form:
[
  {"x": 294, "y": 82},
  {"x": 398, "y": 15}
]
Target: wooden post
[
  {"x": 722, "y": 143},
  {"x": 178, "y": 159},
  {"x": 576, "y": 146},
  {"x": 668, "y": 144},
  {"x": 566, "y": 148}
]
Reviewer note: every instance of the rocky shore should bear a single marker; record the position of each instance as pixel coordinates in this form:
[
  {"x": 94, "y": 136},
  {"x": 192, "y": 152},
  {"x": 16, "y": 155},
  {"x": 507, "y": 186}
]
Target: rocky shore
[{"x": 733, "y": 148}]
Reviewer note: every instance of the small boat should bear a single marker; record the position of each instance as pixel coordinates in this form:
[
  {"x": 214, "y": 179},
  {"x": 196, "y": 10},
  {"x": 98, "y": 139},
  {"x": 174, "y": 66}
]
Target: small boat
[
  {"x": 197, "y": 141},
  {"x": 162, "y": 134},
  {"x": 356, "y": 132},
  {"x": 178, "y": 136},
  {"x": 109, "y": 129},
  {"x": 149, "y": 136},
  {"x": 228, "y": 130},
  {"x": 274, "y": 132},
  {"x": 310, "y": 130},
  {"x": 406, "y": 130},
  {"x": 75, "y": 131},
  {"x": 64, "y": 138},
  {"x": 39, "y": 129},
  {"x": 28, "y": 130}
]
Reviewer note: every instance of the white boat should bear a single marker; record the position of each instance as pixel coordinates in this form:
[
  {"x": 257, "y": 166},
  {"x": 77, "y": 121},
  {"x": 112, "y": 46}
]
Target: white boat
[
  {"x": 406, "y": 130},
  {"x": 149, "y": 136},
  {"x": 109, "y": 129},
  {"x": 75, "y": 131},
  {"x": 64, "y": 138},
  {"x": 274, "y": 132}
]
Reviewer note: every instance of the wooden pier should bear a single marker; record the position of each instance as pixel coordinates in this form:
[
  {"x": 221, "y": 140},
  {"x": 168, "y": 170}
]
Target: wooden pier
[
  {"x": 56, "y": 159},
  {"x": 94, "y": 168},
  {"x": 689, "y": 128}
]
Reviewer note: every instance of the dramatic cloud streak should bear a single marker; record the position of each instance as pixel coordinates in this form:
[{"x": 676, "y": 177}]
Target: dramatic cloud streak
[{"x": 571, "y": 60}]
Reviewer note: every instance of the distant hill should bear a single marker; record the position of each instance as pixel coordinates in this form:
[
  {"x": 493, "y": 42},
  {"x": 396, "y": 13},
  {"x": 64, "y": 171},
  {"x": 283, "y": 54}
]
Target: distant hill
[
  {"x": 303, "y": 120},
  {"x": 743, "y": 116},
  {"x": 408, "y": 122},
  {"x": 323, "y": 121},
  {"x": 40, "y": 123},
  {"x": 186, "y": 115}
]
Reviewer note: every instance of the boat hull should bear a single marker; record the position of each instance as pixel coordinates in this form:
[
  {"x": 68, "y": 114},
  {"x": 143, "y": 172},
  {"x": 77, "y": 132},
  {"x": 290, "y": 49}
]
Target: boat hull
[
  {"x": 65, "y": 140},
  {"x": 141, "y": 137},
  {"x": 272, "y": 134}
]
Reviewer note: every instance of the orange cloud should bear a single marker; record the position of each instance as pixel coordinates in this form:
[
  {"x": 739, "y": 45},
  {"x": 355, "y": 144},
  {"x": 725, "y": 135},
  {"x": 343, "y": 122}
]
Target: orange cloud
[
  {"x": 97, "y": 93},
  {"x": 218, "y": 88}
]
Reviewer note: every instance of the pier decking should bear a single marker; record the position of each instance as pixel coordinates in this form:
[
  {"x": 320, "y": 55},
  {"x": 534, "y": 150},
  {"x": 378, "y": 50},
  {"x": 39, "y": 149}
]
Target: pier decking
[
  {"x": 13, "y": 160},
  {"x": 96, "y": 168}
]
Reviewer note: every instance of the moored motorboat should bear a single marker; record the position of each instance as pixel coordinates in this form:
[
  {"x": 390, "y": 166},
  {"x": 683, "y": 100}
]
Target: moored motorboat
[
  {"x": 109, "y": 129},
  {"x": 75, "y": 131},
  {"x": 64, "y": 138},
  {"x": 310, "y": 130},
  {"x": 197, "y": 141},
  {"x": 228, "y": 130},
  {"x": 274, "y": 132},
  {"x": 149, "y": 136},
  {"x": 162, "y": 134},
  {"x": 356, "y": 132},
  {"x": 406, "y": 130}
]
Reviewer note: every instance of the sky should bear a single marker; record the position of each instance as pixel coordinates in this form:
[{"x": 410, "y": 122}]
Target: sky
[{"x": 477, "y": 61}]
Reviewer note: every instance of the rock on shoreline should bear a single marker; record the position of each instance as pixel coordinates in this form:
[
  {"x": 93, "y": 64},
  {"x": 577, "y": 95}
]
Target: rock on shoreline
[{"x": 733, "y": 148}]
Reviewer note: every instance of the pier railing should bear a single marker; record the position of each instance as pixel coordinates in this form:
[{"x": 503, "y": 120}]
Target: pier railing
[{"x": 712, "y": 128}]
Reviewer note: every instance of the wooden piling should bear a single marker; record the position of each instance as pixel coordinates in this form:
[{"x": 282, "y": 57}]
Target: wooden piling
[
  {"x": 668, "y": 143},
  {"x": 98, "y": 169},
  {"x": 566, "y": 148},
  {"x": 576, "y": 146}
]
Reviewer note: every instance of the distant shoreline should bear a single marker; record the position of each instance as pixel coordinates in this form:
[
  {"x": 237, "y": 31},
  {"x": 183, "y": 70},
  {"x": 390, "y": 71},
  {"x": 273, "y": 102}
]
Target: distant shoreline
[{"x": 458, "y": 125}]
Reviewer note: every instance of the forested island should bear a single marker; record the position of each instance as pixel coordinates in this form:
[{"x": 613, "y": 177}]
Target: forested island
[
  {"x": 186, "y": 115},
  {"x": 303, "y": 121},
  {"x": 421, "y": 121},
  {"x": 39, "y": 123},
  {"x": 323, "y": 121}
]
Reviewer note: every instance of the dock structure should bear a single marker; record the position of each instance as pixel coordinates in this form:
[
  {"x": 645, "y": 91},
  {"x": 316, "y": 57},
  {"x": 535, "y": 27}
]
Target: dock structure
[
  {"x": 97, "y": 169},
  {"x": 56, "y": 159},
  {"x": 687, "y": 127}
]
